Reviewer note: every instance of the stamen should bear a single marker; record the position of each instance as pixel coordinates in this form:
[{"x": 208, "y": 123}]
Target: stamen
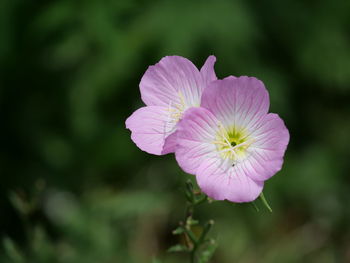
[
  {"x": 182, "y": 98},
  {"x": 219, "y": 142},
  {"x": 243, "y": 143},
  {"x": 175, "y": 111},
  {"x": 225, "y": 150},
  {"x": 232, "y": 146}
]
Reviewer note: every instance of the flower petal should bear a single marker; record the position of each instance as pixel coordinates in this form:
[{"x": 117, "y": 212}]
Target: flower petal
[
  {"x": 207, "y": 71},
  {"x": 231, "y": 184},
  {"x": 195, "y": 133},
  {"x": 239, "y": 102},
  {"x": 172, "y": 81},
  {"x": 270, "y": 138},
  {"x": 151, "y": 130},
  {"x": 170, "y": 143}
]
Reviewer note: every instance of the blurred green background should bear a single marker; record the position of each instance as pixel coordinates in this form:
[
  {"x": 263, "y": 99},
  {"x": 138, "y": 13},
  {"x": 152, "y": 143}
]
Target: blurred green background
[{"x": 74, "y": 188}]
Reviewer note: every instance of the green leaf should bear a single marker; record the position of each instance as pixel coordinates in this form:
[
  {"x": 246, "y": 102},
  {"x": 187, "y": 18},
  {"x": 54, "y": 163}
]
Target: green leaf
[
  {"x": 206, "y": 229},
  {"x": 178, "y": 230},
  {"x": 264, "y": 201},
  {"x": 201, "y": 200},
  {"x": 189, "y": 186},
  {"x": 208, "y": 252},
  {"x": 177, "y": 248},
  {"x": 189, "y": 191},
  {"x": 255, "y": 206},
  {"x": 192, "y": 222},
  {"x": 191, "y": 236},
  {"x": 189, "y": 197}
]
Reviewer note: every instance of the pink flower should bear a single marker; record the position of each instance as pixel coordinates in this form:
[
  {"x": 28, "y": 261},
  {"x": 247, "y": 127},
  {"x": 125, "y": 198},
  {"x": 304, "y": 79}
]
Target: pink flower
[
  {"x": 231, "y": 143},
  {"x": 168, "y": 89}
]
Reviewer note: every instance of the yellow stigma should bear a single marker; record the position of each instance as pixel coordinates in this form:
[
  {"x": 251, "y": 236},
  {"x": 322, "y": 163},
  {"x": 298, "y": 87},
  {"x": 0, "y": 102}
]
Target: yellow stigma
[{"x": 232, "y": 143}]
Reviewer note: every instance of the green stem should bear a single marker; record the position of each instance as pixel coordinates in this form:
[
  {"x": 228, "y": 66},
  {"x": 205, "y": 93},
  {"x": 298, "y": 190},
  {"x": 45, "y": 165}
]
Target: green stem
[
  {"x": 194, "y": 198},
  {"x": 201, "y": 240},
  {"x": 191, "y": 235},
  {"x": 205, "y": 231}
]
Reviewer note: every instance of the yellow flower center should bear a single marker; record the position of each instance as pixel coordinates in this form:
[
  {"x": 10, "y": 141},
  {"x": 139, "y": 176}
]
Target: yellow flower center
[{"x": 232, "y": 143}]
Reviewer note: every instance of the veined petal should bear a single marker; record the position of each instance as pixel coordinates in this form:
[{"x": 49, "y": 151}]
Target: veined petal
[
  {"x": 237, "y": 102},
  {"x": 270, "y": 140},
  {"x": 152, "y": 129},
  {"x": 170, "y": 143},
  {"x": 207, "y": 71},
  {"x": 231, "y": 183},
  {"x": 174, "y": 81},
  {"x": 197, "y": 154},
  {"x": 195, "y": 134}
]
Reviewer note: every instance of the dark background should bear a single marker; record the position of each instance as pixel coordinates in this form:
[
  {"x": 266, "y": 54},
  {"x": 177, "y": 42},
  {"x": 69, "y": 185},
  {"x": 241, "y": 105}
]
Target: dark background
[{"x": 74, "y": 188}]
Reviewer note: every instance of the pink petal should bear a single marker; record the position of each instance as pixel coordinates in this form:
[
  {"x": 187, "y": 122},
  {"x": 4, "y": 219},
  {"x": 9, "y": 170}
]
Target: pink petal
[
  {"x": 270, "y": 138},
  {"x": 170, "y": 143},
  {"x": 231, "y": 183},
  {"x": 239, "y": 102},
  {"x": 207, "y": 71},
  {"x": 151, "y": 130},
  {"x": 168, "y": 82},
  {"x": 195, "y": 132}
]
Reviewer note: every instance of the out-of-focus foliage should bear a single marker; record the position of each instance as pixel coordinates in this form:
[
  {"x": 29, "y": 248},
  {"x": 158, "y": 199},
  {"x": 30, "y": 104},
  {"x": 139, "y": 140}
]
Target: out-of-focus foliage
[{"x": 74, "y": 188}]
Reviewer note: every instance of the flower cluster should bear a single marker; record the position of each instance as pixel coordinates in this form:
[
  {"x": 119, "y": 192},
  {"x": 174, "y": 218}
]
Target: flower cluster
[{"x": 219, "y": 130}]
